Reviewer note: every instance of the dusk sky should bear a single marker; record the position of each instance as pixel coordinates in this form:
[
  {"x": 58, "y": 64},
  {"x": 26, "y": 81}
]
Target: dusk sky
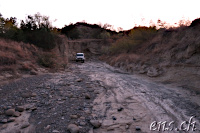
[{"x": 125, "y": 14}]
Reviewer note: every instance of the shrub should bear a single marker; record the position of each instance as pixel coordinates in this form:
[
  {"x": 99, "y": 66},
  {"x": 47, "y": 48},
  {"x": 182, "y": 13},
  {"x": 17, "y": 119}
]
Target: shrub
[
  {"x": 105, "y": 50},
  {"x": 122, "y": 45},
  {"x": 142, "y": 34},
  {"x": 46, "y": 60},
  {"x": 136, "y": 37},
  {"x": 73, "y": 34},
  {"x": 41, "y": 38},
  {"x": 105, "y": 36}
]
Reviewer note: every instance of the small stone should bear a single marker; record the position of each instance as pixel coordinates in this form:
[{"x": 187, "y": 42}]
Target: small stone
[
  {"x": 25, "y": 125},
  {"x": 137, "y": 128},
  {"x": 96, "y": 92},
  {"x": 120, "y": 109},
  {"x": 88, "y": 86},
  {"x": 87, "y": 96},
  {"x": 55, "y": 131},
  {"x": 48, "y": 87},
  {"x": 10, "y": 112},
  {"x": 33, "y": 108},
  {"x": 73, "y": 116},
  {"x": 32, "y": 72},
  {"x": 20, "y": 108},
  {"x": 82, "y": 118},
  {"x": 87, "y": 111},
  {"x": 127, "y": 126},
  {"x": 26, "y": 95},
  {"x": 47, "y": 127},
  {"x": 33, "y": 94},
  {"x": 4, "y": 121},
  {"x": 64, "y": 98},
  {"x": 95, "y": 123},
  {"x": 11, "y": 119},
  {"x": 70, "y": 95},
  {"x": 16, "y": 114},
  {"x": 73, "y": 128},
  {"x": 82, "y": 124},
  {"x": 91, "y": 90},
  {"x": 79, "y": 108},
  {"x": 79, "y": 80},
  {"x": 134, "y": 119},
  {"x": 114, "y": 118}
]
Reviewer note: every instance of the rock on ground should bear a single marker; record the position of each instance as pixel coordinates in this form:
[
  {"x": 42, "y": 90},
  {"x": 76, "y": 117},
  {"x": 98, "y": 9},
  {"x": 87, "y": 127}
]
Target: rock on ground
[
  {"x": 73, "y": 128},
  {"x": 10, "y": 112}
]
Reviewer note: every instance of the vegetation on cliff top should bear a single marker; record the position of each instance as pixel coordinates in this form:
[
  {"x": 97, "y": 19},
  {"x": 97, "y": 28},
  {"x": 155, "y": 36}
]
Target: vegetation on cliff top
[{"x": 36, "y": 29}]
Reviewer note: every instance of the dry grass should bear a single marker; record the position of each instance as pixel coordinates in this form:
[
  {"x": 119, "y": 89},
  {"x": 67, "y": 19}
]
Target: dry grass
[
  {"x": 19, "y": 50},
  {"x": 28, "y": 66},
  {"x": 10, "y": 69},
  {"x": 19, "y": 57},
  {"x": 14, "y": 55},
  {"x": 7, "y": 58}
]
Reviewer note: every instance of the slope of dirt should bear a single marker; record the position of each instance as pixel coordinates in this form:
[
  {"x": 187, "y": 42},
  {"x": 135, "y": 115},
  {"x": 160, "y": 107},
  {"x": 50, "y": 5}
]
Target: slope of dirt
[
  {"x": 18, "y": 58},
  {"x": 172, "y": 56}
]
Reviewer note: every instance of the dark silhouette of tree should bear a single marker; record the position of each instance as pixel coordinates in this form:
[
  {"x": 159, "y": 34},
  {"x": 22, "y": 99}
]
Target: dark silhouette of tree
[
  {"x": 36, "y": 22},
  {"x": 38, "y": 30},
  {"x": 2, "y": 22}
]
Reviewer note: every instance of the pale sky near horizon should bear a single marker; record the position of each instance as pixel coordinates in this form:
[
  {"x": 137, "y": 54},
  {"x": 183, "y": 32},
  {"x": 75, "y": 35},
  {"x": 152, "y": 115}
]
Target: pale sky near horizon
[{"x": 125, "y": 14}]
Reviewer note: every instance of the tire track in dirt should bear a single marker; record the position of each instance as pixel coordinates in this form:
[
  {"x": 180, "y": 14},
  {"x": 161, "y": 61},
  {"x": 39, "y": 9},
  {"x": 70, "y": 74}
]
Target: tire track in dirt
[{"x": 142, "y": 100}]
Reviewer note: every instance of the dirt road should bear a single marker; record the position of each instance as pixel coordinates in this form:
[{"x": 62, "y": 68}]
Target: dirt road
[
  {"x": 98, "y": 98},
  {"x": 141, "y": 102}
]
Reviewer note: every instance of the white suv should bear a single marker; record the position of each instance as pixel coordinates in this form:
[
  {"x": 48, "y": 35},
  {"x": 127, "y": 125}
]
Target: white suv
[{"x": 80, "y": 57}]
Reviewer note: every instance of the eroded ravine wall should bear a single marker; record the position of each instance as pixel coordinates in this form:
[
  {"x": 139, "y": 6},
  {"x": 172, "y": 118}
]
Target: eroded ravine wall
[{"x": 88, "y": 46}]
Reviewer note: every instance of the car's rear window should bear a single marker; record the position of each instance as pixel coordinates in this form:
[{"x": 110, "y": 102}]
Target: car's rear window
[{"x": 79, "y": 54}]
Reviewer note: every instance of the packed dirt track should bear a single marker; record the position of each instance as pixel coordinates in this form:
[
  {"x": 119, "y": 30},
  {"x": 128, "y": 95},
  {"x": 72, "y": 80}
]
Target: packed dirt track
[{"x": 96, "y": 98}]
